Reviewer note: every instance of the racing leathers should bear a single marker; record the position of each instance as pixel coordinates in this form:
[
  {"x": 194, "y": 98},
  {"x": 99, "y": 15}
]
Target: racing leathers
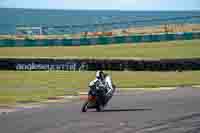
[{"x": 107, "y": 83}]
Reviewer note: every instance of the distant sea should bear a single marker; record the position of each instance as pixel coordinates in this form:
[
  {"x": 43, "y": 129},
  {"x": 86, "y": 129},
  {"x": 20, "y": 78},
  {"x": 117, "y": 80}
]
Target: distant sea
[{"x": 87, "y": 20}]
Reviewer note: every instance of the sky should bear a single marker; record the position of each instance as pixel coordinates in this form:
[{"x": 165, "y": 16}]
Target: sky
[{"x": 104, "y": 4}]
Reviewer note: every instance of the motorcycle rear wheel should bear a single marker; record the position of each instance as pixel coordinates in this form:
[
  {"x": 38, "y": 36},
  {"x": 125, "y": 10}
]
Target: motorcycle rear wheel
[{"x": 99, "y": 108}]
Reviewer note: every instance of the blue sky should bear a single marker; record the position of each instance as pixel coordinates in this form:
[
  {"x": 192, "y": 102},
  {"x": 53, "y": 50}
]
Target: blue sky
[{"x": 104, "y": 4}]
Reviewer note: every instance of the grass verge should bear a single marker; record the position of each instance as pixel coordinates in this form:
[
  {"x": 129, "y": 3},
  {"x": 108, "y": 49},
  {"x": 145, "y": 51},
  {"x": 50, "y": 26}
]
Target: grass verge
[
  {"x": 39, "y": 85},
  {"x": 172, "y": 49}
]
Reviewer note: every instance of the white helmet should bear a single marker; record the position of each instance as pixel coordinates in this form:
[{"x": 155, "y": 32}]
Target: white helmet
[{"x": 98, "y": 74}]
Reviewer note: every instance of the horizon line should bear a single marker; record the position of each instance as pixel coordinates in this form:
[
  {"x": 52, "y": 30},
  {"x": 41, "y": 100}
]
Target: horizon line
[{"x": 120, "y": 10}]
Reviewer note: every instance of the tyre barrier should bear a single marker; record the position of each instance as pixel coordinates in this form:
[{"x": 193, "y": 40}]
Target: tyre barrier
[
  {"x": 100, "y": 40},
  {"x": 99, "y": 64}
]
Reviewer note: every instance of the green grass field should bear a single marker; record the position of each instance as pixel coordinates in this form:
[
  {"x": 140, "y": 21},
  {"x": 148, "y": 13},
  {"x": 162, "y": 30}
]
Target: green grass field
[
  {"x": 21, "y": 86},
  {"x": 172, "y": 49},
  {"x": 38, "y": 86}
]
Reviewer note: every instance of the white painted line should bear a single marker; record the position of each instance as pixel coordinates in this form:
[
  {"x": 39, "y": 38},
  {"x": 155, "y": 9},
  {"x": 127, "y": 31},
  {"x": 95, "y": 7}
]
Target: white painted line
[
  {"x": 69, "y": 97},
  {"x": 139, "y": 89},
  {"x": 30, "y": 106},
  {"x": 153, "y": 128},
  {"x": 150, "y": 89},
  {"x": 5, "y": 111},
  {"x": 55, "y": 101},
  {"x": 83, "y": 93},
  {"x": 196, "y": 86}
]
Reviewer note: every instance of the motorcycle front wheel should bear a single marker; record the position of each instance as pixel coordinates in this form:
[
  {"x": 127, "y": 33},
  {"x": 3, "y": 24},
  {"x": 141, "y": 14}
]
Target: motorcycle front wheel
[{"x": 85, "y": 107}]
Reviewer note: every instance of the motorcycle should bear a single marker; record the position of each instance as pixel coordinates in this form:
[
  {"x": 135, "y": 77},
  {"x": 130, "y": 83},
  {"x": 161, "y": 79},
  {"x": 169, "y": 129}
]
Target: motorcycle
[{"x": 97, "y": 98}]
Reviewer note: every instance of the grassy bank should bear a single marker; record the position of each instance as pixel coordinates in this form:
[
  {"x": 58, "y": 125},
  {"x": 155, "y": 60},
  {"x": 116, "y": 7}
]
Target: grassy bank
[
  {"x": 37, "y": 86},
  {"x": 173, "y": 49}
]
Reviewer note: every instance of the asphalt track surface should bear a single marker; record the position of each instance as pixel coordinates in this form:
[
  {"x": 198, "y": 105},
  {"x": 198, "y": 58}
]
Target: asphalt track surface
[{"x": 171, "y": 111}]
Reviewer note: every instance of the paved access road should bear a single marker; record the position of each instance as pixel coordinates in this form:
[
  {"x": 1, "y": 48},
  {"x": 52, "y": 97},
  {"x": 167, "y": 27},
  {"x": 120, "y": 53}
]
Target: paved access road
[{"x": 172, "y": 111}]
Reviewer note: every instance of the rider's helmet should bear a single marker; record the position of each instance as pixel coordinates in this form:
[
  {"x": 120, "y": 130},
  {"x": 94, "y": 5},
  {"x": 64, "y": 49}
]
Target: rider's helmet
[{"x": 100, "y": 75}]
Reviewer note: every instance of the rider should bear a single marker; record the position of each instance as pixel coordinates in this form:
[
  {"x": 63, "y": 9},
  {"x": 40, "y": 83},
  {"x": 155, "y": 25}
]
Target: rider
[{"x": 106, "y": 81}]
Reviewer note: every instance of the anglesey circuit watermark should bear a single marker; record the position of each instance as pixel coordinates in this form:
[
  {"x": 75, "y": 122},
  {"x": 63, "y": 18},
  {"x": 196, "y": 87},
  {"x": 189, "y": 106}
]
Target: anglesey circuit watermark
[{"x": 50, "y": 67}]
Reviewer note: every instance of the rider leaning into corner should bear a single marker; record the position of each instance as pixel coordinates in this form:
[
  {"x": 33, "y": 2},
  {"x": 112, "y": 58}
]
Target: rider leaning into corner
[{"x": 106, "y": 81}]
